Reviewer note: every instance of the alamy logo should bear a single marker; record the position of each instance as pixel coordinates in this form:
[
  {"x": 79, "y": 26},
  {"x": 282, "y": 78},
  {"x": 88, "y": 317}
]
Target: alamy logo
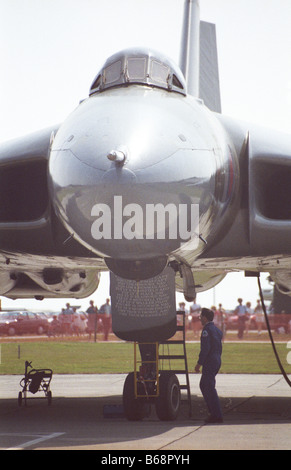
[{"x": 153, "y": 221}]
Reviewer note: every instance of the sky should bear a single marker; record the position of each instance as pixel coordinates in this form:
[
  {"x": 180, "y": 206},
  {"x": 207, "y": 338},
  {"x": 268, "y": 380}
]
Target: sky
[{"x": 51, "y": 50}]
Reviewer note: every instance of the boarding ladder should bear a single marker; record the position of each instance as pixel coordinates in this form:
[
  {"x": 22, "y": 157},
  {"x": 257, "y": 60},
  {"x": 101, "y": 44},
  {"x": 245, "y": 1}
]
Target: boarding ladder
[
  {"x": 165, "y": 357},
  {"x": 180, "y": 357}
]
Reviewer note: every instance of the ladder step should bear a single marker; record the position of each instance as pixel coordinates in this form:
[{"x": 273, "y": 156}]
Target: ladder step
[
  {"x": 174, "y": 341},
  {"x": 171, "y": 356}
]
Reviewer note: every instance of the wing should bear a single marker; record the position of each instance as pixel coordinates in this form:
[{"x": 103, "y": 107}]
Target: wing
[
  {"x": 35, "y": 247},
  {"x": 258, "y": 239}
]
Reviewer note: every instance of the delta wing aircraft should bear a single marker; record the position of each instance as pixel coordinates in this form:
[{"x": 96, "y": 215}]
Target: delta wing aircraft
[{"x": 149, "y": 180}]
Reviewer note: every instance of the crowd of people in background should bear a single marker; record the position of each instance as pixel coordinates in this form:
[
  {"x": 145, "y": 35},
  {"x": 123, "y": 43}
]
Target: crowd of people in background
[
  {"x": 244, "y": 314},
  {"x": 70, "y": 321},
  {"x": 193, "y": 317}
]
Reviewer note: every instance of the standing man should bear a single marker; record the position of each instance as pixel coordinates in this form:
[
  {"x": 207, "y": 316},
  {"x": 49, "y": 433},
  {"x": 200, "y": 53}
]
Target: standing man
[
  {"x": 221, "y": 320},
  {"x": 92, "y": 319},
  {"x": 195, "y": 310},
  {"x": 105, "y": 315},
  {"x": 241, "y": 312},
  {"x": 210, "y": 360},
  {"x": 259, "y": 316},
  {"x": 68, "y": 319}
]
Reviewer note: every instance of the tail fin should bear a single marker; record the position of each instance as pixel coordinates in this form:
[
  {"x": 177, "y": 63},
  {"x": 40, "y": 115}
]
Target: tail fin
[
  {"x": 198, "y": 57},
  {"x": 209, "y": 90}
]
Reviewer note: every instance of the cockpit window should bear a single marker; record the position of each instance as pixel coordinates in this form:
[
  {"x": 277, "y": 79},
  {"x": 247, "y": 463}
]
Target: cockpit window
[
  {"x": 97, "y": 82},
  {"x": 112, "y": 73},
  {"x": 177, "y": 83},
  {"x": 142, "y": 67},
  {"x": 136, "y": 68},
  {"x": 159, "y": 72}
]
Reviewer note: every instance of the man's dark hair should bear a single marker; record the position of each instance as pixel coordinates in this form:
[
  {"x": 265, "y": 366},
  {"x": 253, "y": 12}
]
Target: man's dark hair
[{"x": 209, "y": 314}]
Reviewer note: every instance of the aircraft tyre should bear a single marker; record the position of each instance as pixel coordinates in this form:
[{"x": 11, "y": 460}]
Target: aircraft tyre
[
  {"x": 169, "y": 399},
  {"x": 135, "y": 409}
]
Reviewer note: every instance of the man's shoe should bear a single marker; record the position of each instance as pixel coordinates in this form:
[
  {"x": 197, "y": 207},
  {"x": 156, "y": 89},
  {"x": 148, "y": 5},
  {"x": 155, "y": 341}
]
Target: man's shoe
[{"x": 212, "y": 420}]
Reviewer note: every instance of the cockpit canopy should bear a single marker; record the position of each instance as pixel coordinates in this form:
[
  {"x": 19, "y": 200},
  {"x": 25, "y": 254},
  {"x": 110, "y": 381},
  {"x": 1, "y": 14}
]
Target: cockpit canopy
[{"x": 139, "y": 66}]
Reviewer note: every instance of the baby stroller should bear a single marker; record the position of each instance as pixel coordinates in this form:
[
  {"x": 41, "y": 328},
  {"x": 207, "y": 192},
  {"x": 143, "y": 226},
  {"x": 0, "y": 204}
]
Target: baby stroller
[{"x": 36, "y": 380}]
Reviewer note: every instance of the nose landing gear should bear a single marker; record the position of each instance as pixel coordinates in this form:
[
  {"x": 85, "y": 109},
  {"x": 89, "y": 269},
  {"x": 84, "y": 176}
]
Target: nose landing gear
[
  {"x": 167, "y": 402},
  {"x": 150, "y": 385}
]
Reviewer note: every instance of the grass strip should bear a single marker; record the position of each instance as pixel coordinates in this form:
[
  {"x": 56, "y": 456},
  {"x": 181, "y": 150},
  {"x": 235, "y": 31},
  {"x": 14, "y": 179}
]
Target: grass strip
[{"x": 108, "y": 358}]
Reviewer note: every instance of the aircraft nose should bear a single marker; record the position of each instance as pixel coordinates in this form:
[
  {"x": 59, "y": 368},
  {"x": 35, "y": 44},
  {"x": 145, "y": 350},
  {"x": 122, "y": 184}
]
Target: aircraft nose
[
  {"x": 124, "y": 213},
  {"x": 129, "y": 182}
]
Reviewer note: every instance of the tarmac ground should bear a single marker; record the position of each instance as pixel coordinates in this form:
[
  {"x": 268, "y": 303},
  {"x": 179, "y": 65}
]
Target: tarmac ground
[{"x": 257, "y": 416}]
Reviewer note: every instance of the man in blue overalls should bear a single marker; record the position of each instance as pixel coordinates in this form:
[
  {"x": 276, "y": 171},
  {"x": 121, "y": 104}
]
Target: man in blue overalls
[{"x": 210, "y": 360}]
